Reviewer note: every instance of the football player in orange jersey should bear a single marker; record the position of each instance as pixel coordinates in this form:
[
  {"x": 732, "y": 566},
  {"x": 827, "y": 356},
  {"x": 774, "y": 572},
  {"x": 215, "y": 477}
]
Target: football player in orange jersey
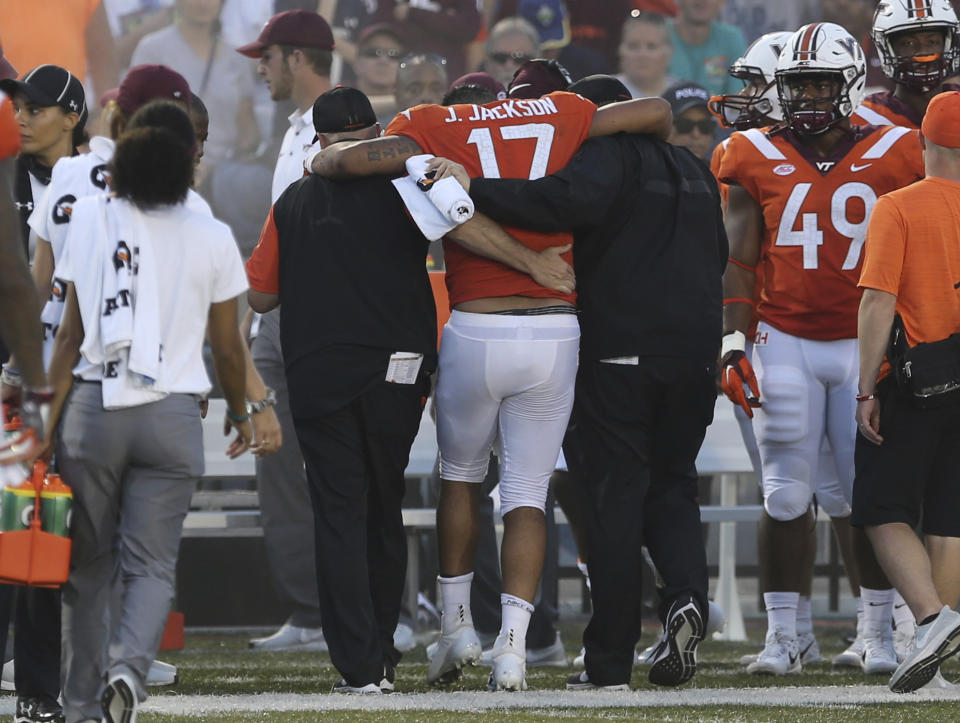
[
  {"x": 508, "y": 355},
  {"x": 20, "y": 316},
  {"x": 919, "y": 46},
  {"x": 800, "y": 199},
  {"x": 757, "y": 105}
]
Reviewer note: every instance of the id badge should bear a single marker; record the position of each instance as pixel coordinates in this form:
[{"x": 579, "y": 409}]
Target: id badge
[{"x": 404, "y": 367}]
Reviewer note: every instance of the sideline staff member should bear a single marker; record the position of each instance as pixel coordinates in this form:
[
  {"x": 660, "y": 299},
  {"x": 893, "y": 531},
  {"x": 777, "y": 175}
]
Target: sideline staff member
[
  {"x": 907, "y": 457},
  {"x": 358, "y": 336},
  {"x": 649, "y": 236}
]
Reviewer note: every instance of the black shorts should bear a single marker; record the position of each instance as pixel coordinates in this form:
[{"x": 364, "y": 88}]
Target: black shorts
[{"x": 916, "y": 471}]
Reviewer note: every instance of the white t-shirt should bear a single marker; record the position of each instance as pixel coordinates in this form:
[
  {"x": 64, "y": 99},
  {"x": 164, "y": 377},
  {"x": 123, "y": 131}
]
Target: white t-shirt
[
  {"x": 196, "y": 263},
  {"x": 293, "y": 150},
  {"x": 73, "y": 178}
]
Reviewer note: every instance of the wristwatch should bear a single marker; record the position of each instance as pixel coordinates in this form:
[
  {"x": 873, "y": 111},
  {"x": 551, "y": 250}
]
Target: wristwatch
[{"x": 268, "y": 401}]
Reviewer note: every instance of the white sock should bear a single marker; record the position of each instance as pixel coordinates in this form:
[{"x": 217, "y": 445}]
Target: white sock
[
  {"x": 514, "y": 620},
  {"x": 902, "y": 617},
  {"x": 782, "y": 611},
  {"x": 859, "y": 601},
  {"x": 455, "y": 596},
  {"x": 582, "y": 567},
  {"x": 877, "y": 611},
  {"x": 804, "y": 616}
]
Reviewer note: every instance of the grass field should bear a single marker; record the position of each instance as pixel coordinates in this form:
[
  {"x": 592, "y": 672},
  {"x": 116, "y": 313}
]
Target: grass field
[{"x": 221, "y": 680}]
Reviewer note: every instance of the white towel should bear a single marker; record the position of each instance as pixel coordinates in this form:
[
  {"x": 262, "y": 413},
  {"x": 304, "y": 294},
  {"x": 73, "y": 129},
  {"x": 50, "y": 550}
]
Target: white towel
[
  {"x": 126, "y": 341},
  {"x": 438, "y": 210}
]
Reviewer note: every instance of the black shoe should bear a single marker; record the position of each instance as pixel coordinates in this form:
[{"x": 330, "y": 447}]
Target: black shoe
[
  {"x": 37, "y": 710},
  {"x": 676, "y": 660},
  {"x": 580, "y": 681}
]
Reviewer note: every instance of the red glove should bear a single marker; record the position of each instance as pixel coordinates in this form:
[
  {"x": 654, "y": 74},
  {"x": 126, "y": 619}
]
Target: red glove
[{"x": 736, "y": 375}]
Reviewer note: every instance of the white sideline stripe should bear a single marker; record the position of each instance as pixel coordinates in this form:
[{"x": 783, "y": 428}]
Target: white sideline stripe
[{"x": 544, "y": 699}]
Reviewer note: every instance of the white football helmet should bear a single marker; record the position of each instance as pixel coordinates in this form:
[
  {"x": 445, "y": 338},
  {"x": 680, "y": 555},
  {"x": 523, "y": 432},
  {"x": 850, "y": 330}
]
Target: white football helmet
[
  {"x": 923, "y": 72},
  {"x": 820, "y": 51},
  {"x": 758, "y": 104}
]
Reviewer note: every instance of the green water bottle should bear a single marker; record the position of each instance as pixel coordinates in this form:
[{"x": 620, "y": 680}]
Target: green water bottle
[{"x": 56, "y": 501}]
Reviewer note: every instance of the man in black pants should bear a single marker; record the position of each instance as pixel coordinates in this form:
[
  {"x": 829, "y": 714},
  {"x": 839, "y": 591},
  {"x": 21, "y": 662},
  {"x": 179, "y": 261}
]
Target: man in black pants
[
  {"x": 650, "y": 254},
  {"x": 358, "y": 335}
]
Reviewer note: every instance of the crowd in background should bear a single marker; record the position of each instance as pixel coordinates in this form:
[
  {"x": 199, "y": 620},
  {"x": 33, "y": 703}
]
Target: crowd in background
[{"x": 400, "y": 53}]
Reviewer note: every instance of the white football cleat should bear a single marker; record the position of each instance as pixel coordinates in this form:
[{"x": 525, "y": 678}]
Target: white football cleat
[
  {"x": 809, "y": 650},
  {"x": 453, "y": 651},
  {"x": 852, "y": 657},
  {"x": 780, "y": 656},
  {"x": 879, "y": 657}
]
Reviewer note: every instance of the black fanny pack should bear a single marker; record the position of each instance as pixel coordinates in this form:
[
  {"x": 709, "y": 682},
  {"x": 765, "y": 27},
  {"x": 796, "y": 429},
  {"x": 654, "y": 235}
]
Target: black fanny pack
[{"x": 928, "y": 373}]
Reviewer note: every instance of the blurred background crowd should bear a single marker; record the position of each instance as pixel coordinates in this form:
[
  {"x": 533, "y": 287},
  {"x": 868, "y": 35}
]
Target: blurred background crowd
[{"x": 402, "y": 53}]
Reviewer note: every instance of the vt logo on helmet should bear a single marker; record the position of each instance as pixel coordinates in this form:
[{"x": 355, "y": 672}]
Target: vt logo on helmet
[
  {"x": 821, "y": 77},
  {"x": 918, "y": 41},
  {"x": 757, "y": 105}
]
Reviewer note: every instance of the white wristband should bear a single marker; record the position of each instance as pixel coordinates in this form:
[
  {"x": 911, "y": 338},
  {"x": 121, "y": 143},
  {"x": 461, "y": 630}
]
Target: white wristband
[
  {"x": 308, "y": 161},
  {"x": 733, "y": 341}
]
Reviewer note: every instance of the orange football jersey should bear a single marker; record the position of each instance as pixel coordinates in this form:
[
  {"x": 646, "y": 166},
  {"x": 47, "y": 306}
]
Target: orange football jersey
[
  {"x": 815, "y": 213},
  {"x": 715, "y": 161},
  {"x": 9, "y": 129},
  {"x": 883, "y": 109},
  {"x": 505, "y": 139}
]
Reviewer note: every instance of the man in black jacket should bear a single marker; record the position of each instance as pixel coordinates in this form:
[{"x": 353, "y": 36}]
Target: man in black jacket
[{"x": 650, "y": 250}]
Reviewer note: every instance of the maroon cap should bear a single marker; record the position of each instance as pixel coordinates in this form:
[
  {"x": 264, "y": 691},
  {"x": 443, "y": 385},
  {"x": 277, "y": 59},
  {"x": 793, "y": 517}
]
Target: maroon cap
[
  {"x": 7, "y": 71},
  {"x": 300, "y": 28},
  {"x": 538, "y": 77},
  {"x": 381, "y": 29},
  {"x": 144, "y": 83},
  {"x": 484, "y": 80}
]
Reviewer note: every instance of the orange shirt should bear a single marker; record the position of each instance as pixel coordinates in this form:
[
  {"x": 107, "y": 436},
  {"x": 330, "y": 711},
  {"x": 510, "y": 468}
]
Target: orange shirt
[
  {"x": 9, "y": 129},
  {"x": 880, "y": 109},
  {"x": 46, "y": 31},
  {"x": 913, "y": 252},
  {"x": 815, "y": 215},
  {"x": 505, "y": 139}
]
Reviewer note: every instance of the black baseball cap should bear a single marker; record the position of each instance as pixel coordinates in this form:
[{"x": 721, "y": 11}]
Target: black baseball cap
[
  {"x": 51, "y": 85},
  {"x": 684, "y": 96},
  {"x": 341, "y": 110},
  {"x": 601, "y": 89}
]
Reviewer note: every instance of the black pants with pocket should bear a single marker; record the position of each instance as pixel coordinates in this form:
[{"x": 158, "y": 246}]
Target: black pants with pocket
[
  {"x": 637, "y": 430},
  {"x": 355, "y": 460}
]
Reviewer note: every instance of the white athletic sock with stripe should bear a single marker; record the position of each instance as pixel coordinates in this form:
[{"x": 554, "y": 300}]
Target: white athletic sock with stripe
[
  {"x": 455, "y": 596},
  {"x": 877, "y": 611},
  {"x": 804, "y": 616},
  {"x": 782, "y": 611},
  {"x": 902, "y": 617}
]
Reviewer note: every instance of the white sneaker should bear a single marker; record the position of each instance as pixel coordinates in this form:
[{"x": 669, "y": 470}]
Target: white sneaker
[
  {"x": 903, "y": 638},
  {"x": 403, "y": 639},
  {"x": 648, "y": 654},
  {"x": 119, "y": 700},
  {"x": 161, "y": 673},
  {"x": 879, "y": 657},
  {"x": 342, "y": 686},
  {"x": 509, "y": 670},
  {"x": 935, "y": 642},
  {"x": 581, "y": 681},
  {"x": 809, "y": 650},
  {"x": 852, "y": 657},
  {"x": 780, "y": 656},
  {"x": 291, "y": 637},
  {"x": 454, "y": 650}
]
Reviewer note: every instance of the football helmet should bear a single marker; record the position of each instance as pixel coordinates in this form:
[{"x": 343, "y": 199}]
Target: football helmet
[
  {"x": 815, "y": 53},
  {"x": 923, "y": 72},
  {"x": 758, "y": 104}
]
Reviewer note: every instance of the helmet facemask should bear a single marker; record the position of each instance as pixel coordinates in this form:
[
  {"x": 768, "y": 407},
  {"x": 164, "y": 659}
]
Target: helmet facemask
[
  {"x": 815, "y": 115},
  {"x": 745, "y": 110},
  {"x": 923, "y": 72}
]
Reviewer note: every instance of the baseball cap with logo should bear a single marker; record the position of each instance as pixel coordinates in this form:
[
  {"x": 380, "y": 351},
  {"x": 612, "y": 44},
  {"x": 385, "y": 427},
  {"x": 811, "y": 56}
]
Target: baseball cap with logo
[
  {"x": 941, "y": 123},
  {"x": 601, "y": 89},
  {"x": 538, "y": 77},
  {"x": 49, "y": 85},
  {"x": 484, "y": 80},
  {"x": 341, "y": 110},
  {"x": 550, "y": 19},
  {"x": 684, "y": 96},
  {"x": 144, "y": 83},
  {"x": 300, "y": 28}
]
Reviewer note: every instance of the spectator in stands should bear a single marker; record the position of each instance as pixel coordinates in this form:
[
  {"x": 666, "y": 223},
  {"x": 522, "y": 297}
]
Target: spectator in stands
[
  {"x": 443, "y": 27},
  {"x": 703, "y": 47},
  {"x": 759, "y": 17},
  {"x": 194, "y": 47},
  {"x": 421, "y": 79},
  {"x": 379, "y": 50},
  {"x": 73, "y": 34},
  {"x": 131, "y": 20},
  {"x": 133, "y": 452},
  {"x": 694, "y": 127},
  {"x": 645, "y": 53},
  {"x": 552, "y": 22},
  {"x": 294, "y": 51},
  {"x": 511, "y": 43},
  {"x": 856, "y": 16}
]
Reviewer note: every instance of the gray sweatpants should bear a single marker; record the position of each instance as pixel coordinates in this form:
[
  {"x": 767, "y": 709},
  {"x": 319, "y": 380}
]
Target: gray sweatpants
[
  {"x": 133, "y": 472},
  {"x": 286, "y": 511}
]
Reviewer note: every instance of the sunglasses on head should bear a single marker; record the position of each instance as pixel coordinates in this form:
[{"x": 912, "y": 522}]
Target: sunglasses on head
[
  {"x": 391, "y": 53},
  {"x": 685, "y": 125},
  {"x": 516, "y": 57}
]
